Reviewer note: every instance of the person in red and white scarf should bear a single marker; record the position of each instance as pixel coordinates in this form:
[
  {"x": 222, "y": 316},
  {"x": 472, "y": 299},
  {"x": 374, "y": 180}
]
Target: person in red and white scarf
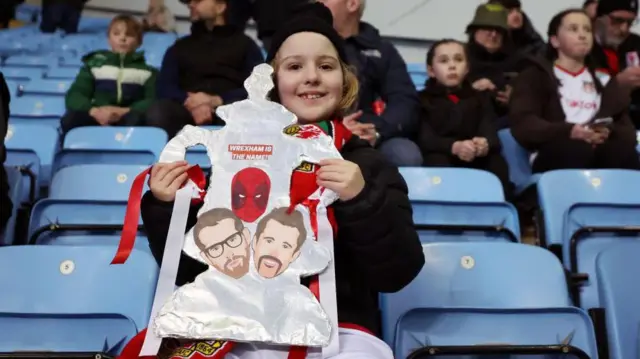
[{"x": 377, "y": 248}]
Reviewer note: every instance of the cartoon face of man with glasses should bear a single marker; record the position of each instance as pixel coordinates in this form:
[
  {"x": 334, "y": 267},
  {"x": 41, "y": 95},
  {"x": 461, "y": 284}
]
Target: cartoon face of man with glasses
[{"x": 223, "y": 241}]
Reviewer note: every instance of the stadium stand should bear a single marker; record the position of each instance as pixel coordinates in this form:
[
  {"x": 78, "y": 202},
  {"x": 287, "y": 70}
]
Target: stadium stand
[{"x": 479, "y": 292}]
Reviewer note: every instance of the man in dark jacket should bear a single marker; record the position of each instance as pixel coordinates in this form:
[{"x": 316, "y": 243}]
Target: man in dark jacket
[
  {"x": 203, "y": 70},
  {"x": 62, "y": 14},
  {"x": 524, "y": 37},
  {"x": 5, "y": 202},
  {"x": 616, "y": 50},
  {"x": 8, "y": 12},
  {"x": 383, "y": 74},
  {"x": 270, "y": 14}
]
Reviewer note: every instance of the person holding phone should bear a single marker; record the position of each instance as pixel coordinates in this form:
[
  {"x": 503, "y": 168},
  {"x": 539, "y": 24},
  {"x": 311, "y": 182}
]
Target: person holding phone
[{"x": 565, "y": 112}]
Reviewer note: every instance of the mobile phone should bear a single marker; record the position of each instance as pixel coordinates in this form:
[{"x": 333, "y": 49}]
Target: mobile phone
[{"x": 601, "y": 122}]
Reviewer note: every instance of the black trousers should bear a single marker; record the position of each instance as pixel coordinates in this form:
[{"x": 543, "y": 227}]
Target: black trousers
[
  {"x": 63, "y": 16},
  {"x": 172, "y": 116},
  {"x": 493, "y": 162},
  {"x": 616, "y": 152},
  {"x": 73, "y": 119}
]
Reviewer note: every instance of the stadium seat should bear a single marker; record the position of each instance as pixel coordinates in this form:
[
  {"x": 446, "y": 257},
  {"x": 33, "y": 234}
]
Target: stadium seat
[
  {"x": 52, "y": 87},
  {"x": 13, "y": 88},
  {"x": 447, "y": 201},
  {"x": 417, "y": 68},
  {"x": 28, "y": 61},
  {"x": 22, "y": 74},
  {"x": 470, "y": 294},
  {"x": 72, "y": 62},
  {"x": 112, "y": 145},
  {"x": 586, "y": 212},
  {"x": 32, "y": 146},
  {"x": 70, "y": 299},
  {"x": 617, "y": 270},
  {"x": 518, "y": 160},
  {"x": 419, "y": 79},
  {"x": 67, "y": 73},
  {"x": 38, "y": 109},
  {"x": 83, "y": 198},
  {"x": 14, "y": 179}
]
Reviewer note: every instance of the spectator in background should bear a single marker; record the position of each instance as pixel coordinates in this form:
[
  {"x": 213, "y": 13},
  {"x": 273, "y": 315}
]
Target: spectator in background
[
  {"x": 565, "y": 113},
  {"x": 492, "y": 59},
  {"x": 203, "y": 70},
  {"x": 591, "y": 8},
  {"x": 269, "y": 16},
  {"x": 5, "y": 202},
  {"x": 382, "y": 74},
  {"x": 457, "y": 125},
  {"x": 617, "y": 50},
  {"x": 114, "y": 87},
  {"x": 8, "y": 12},
  {"x": 523, "y": 36},
  {"x": 61, "y": 14},
  {"x": 158, "y": 18}
]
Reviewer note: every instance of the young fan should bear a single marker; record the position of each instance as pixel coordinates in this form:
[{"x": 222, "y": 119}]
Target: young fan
[
  {"x": 457, "y": 122},
  {"x": 567, "y": 114},
  {"x": 377, "y": 248},
  {"x": 115, "y": 87}
]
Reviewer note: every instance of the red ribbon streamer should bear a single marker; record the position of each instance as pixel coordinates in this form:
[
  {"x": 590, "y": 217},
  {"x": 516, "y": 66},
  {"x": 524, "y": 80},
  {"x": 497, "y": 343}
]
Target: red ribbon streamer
[{"x": 132, "y": 216}]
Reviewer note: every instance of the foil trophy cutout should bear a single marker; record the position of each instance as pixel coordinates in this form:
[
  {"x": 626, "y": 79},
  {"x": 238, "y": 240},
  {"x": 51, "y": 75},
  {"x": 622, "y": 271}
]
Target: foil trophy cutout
[{"x": 256, "y": 243}]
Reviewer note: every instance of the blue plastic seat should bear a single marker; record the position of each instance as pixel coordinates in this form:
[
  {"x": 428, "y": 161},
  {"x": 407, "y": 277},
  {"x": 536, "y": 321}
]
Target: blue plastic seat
[
  {"x": 419, "y": 79},
  {"x": 479, "y": 293},
  {"x": 38, "y": 107},
  {"x": 52, "y": 87},
  {"x": 112, "y": 145},
  {"x": 22, "y": 73},
  {"x": 70, "y": 299},
  {"x": 14, "y": 179},
  {"x": 459, "y": 204},
  {"x": 32, "y": 146},
  {"x": 72, "y": 62},
  {"x": 28, "y": 61},
  {"x": 13, "y": 88},
  {"x": 83, "y": 199},
  {"x": 586, "y": 212},
  {"x": 68, "y": 73},
  {"x": 418, "y": 68},
  {"x": 617, "y": 271},
  {"x": 517, "y": 158}
]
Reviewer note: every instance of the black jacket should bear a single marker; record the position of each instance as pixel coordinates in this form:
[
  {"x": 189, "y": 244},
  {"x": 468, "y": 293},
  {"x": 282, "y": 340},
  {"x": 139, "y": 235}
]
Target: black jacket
[
  {"x": 526, "y": 40},
  {"x": 630, "y": 45},
  {"x": 271, "y": 14},
  {"x": 5, "y": 203},
  {"x": 444, "y": 122},
  {"x": 214, "y": 61},
  {"x": 382, "y": 73},
  {"x": 377, "y": 248}
]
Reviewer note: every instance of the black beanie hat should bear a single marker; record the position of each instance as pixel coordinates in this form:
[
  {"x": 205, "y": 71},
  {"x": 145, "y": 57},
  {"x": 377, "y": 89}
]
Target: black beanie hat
[
  {"x": 606, "y": 7},
  {"x": 310, "y": 17}
]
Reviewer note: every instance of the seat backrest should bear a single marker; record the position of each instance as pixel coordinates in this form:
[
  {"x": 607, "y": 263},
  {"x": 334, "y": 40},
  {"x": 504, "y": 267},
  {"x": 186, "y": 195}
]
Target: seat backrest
[
  {"x": 41, "y": 139},
  {"x": 62, "y": 73},
  {"x": 617, "y": 270},
  {"x": 559, "y": 190},
  {"x": 480, "y": 275},
  {"x": 28, "y": 61},
  {"x": 67, "y": 280},
  {"x": 452, "y": 184},
  {"x": 22, "y": 73},
  {"x": 14, "y": 180},
  {"x": 13, "y": 88},
  {"x": 151, "y": 139},
  {"x": 47, "y": 86},
  {"x": 94, "y": 182},
  {"x": 31, "y": 106}
]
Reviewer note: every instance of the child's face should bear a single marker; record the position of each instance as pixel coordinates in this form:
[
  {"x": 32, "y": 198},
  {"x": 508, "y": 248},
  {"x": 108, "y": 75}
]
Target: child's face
[
  {"x": 449, "y": 65},
  {"x": 120, "y": 40},
  {"x": 309, "y": 76},
  {"x": 574, "y": 38}
]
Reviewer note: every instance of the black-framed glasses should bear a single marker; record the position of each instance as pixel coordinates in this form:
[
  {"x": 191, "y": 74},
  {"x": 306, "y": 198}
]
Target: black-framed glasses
[
  {"x": 617, "y": 21},
  {"x": 216, "y": 250}
]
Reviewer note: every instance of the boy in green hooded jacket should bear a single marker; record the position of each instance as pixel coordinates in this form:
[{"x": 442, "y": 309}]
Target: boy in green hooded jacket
[{"x": 114, "y": 87}]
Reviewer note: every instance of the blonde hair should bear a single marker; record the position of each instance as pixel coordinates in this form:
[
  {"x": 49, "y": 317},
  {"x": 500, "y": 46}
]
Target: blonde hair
[{"x": 350, "y": 87}]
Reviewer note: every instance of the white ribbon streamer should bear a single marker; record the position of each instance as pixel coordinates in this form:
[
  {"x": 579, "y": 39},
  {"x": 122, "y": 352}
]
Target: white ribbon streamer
[
  {"x": 327, "y": 282},
  {"x": 170, "y": 262}
]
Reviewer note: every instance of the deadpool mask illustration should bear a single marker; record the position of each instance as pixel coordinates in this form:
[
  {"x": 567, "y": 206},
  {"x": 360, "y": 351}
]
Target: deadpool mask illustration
[{"x": 250, "y": 190}]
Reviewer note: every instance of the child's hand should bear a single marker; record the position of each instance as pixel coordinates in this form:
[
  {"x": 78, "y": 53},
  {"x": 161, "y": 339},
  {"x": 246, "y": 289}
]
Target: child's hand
[
  {"x": 483, "y": 84},
  {"x": 482, "y": 146},
  {"x": 202, "y": 115},
  {"x": 167, "y": 178},
  {"x": 341, "y": 176},
  {"x": 103, "y": 115},
  {"x": 465, "y": 150}
]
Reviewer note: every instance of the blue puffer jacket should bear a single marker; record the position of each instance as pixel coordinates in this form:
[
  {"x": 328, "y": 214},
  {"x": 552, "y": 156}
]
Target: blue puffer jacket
[{"x": 383, "y": 74}]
